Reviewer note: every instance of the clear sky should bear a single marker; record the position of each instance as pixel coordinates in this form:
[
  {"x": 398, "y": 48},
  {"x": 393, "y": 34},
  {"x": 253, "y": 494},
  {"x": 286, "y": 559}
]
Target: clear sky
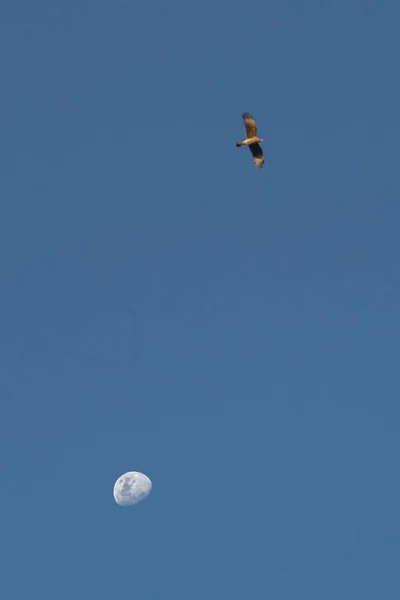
[{"x": 232, "y": 332}]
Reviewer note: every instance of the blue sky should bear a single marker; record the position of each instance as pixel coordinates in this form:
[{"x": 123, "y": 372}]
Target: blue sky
[{"x": 166, "y": 307}]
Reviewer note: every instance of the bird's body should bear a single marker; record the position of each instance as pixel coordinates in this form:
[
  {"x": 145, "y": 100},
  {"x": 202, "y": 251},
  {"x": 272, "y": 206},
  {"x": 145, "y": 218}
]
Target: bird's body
[{"x": 252, "y": 140}]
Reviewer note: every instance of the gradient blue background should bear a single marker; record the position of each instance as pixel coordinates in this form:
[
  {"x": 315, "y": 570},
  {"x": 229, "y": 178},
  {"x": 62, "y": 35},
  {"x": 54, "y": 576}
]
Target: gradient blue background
[{"x": 166, "y": 307}]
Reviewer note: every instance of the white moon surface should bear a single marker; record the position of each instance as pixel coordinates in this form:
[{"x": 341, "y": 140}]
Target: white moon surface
[{"x": 132, "y": 488}]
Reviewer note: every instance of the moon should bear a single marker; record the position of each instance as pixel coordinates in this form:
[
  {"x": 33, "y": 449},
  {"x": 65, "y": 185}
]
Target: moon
[{"x": 132, "y": 488}]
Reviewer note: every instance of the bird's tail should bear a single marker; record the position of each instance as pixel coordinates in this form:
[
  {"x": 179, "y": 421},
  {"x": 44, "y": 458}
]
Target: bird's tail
[{"x": 238, "y": 144}]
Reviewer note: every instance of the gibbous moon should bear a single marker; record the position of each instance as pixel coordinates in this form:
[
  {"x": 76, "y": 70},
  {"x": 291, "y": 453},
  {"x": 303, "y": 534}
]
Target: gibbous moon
[{"x": 132, "y": 488}]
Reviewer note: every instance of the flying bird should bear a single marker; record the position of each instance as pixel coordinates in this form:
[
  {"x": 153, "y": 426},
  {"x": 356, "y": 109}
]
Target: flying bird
[{"x": 252, "y": 140}]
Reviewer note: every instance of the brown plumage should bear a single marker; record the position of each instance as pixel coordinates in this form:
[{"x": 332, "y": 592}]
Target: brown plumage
[{"x": 252, "y": 140}]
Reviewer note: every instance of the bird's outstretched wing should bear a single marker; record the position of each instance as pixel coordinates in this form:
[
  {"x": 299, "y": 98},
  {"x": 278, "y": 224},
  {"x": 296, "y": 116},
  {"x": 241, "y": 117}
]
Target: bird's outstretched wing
[
  {"x": 250, "y": 125},
  {"x": 258, "y": 154}
]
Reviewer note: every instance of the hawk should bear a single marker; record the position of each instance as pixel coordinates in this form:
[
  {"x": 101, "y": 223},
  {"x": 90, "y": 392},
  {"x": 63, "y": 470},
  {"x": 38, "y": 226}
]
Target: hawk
[{"x": 252, "y": 141}]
